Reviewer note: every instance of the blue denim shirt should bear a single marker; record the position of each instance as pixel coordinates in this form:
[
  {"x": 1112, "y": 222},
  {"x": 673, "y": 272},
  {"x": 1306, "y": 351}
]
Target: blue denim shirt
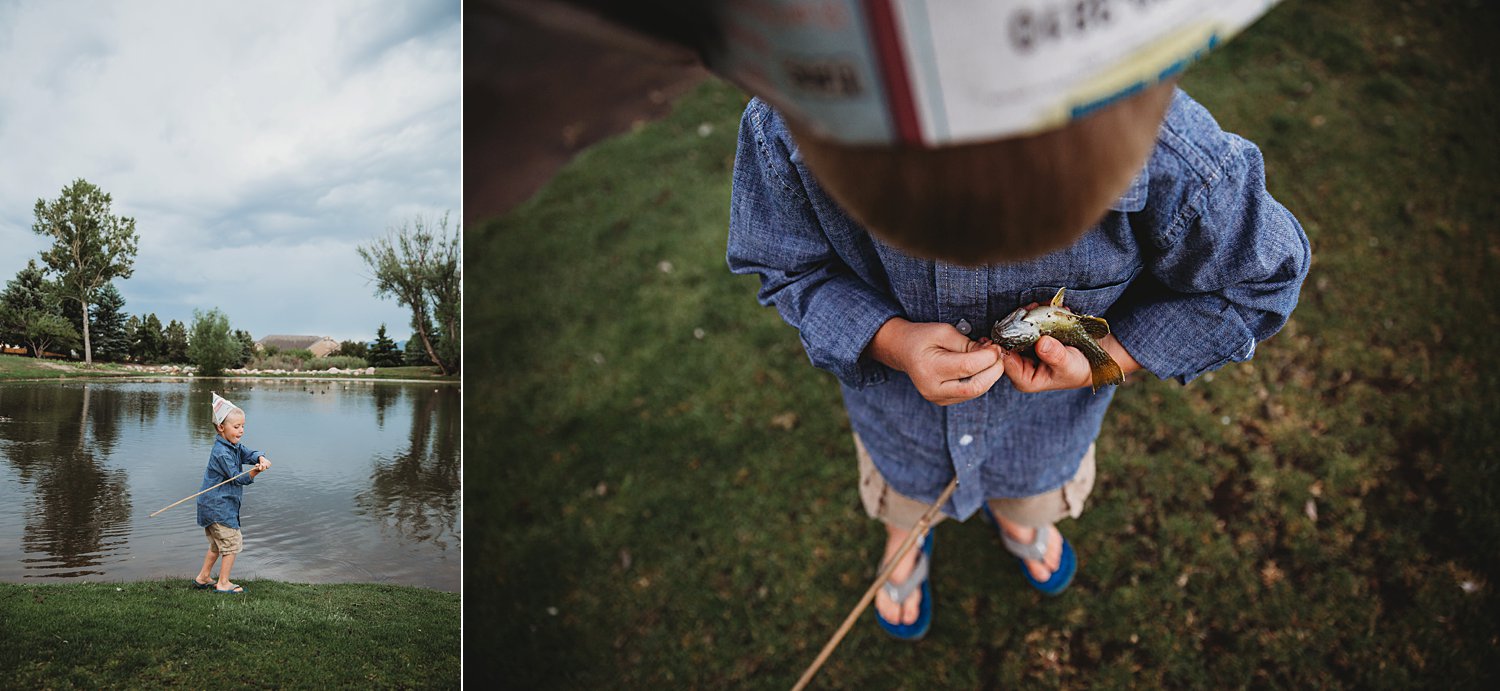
[
  {"x": 1192, "y": 266},
  {"x": 222, "y": 505}
]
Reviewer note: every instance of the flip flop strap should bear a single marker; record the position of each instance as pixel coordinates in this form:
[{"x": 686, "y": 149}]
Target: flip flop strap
[
  {"x": 899, "y": 593},
  {"x": 1036, "y": 551}
]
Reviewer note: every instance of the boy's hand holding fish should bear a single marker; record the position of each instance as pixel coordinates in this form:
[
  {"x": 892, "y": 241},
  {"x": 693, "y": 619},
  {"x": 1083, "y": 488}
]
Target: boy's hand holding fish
[{"x": 1073, "y": 350}]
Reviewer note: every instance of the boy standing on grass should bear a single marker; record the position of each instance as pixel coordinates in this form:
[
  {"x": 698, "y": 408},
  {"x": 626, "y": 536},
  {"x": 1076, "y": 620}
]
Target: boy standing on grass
[
  {"x": 1192, "y": 265},
  {"x": 219, "y": 510}
]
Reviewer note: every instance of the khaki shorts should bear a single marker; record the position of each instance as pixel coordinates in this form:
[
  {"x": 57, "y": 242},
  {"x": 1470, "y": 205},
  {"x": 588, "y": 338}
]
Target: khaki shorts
[
  {"x": 223, "y": 539},
  {"x": 894, "y": 508}
]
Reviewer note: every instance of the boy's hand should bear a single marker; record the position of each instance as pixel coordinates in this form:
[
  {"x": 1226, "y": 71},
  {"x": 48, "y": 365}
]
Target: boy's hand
[
  {"x": 1057, "y": 367},
  {"x": 945, "y": 365},
  {"x": 1061, "y": 367}
]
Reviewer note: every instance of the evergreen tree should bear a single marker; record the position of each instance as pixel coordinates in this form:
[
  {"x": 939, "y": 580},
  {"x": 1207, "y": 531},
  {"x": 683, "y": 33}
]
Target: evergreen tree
[
  {"x": 25, "y": 296},
  {"x": 149, "y": 341},
  {"x": 247, "y": 348},
  {"x": 383, "y": 352},
  {"x": 175, "y": 342},
  {"x": 416, "y": 353},
  {"x": 31, "y": 314},
  {"x": 107, "y": 324},
  {"x": 132, "y": 328}
]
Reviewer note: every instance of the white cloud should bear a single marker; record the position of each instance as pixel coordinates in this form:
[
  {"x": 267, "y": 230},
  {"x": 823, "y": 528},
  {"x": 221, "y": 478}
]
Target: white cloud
[{"x": 255, "y": 144}]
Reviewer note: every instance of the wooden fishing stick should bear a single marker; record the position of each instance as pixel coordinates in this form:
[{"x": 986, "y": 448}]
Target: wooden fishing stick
[
  {"x": 885, "y": 574},
  {"x": 179, "y": 501}
]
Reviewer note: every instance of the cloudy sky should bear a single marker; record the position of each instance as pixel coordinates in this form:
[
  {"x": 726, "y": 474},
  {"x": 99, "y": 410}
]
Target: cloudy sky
[{"x": 255, "y": 144}]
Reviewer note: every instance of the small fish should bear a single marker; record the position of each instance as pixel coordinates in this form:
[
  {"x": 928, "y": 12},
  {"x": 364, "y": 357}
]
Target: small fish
[{"x": 1023, "y": 327}]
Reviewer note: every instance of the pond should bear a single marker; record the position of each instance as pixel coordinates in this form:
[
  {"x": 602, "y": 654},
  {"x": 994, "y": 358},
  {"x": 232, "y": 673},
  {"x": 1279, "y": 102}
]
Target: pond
[{"x": 364, "y": 487}]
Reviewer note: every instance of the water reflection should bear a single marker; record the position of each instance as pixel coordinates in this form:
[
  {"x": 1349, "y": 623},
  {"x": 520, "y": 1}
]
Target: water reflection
[
  {"x": 415, "y": 492},
  {"x": 79, "y": 510},
  {"x": 351, "y": 498}
]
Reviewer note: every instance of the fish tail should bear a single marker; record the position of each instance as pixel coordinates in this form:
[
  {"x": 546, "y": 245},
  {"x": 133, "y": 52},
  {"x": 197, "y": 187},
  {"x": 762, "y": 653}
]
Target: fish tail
[{"x": 1102, "y": 368}]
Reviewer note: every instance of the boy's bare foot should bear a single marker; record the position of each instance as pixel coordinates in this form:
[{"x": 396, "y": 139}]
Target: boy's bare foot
[
  {"x": 906, "y": 612},
  {"x": 1040, "y": 570}
]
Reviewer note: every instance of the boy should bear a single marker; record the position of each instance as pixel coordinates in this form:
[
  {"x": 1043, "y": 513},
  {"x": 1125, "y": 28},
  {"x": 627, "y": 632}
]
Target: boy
[
  {"x": 1192, "y": 266},
  {"x": 219, "y": 510}
]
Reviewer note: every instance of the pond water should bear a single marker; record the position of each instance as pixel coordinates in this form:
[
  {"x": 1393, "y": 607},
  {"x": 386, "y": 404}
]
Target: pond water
[{"x": 364, "y": 486}]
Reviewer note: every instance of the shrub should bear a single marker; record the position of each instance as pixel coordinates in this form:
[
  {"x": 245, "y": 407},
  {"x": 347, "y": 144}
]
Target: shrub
[{"x": 339, "y": 361}]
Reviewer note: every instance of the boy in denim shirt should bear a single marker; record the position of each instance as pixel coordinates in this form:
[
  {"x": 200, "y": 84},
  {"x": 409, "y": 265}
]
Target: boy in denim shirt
[
  {"x": 1192, "y": 266},
  {"x": 219, "y": 510}
]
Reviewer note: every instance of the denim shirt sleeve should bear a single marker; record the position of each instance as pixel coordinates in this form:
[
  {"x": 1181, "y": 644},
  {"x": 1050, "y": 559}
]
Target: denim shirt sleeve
[
  {"x": 1226, "y": 260},
  {"x": 231, "y": 465},
  {"x": 775, "y": 233}
]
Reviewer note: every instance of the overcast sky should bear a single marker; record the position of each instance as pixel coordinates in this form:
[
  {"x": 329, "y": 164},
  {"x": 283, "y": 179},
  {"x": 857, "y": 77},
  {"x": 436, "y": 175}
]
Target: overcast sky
[{"x": 255, "y": 144}]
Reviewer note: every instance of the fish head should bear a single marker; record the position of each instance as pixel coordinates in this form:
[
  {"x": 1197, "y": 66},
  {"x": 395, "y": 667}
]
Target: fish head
[{"x": 1015, "y": 331}]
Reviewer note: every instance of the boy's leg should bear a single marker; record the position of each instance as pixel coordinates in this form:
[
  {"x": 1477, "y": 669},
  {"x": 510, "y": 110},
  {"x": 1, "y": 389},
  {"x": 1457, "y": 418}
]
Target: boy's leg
[
  {"x": 228, "y": 542},
  {"x": 899, "y": 514},
  {"x": 224, "y": 568},
  {"x": 205, "y": 574},
  {"x": 1021, "y": 518}
]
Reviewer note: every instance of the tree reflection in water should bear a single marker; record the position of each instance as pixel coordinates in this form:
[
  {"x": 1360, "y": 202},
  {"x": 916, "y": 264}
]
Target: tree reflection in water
[
  {"x": 79, "y": 511},
  {"x": 415, "y": 492}
]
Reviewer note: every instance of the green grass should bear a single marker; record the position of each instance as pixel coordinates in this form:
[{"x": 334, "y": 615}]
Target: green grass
[
  {"x": 647, "y": 518},
  {"x": 21, "y": 367},
  {"x": 153, "y": 634}
]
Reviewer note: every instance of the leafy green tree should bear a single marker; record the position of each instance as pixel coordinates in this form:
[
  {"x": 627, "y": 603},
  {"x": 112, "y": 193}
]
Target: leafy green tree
[
  {"x": 107, "y": 324},
  {"x": 149, "y": 344},
  {"x": 247, "y": 348},
  {"x": 383, "y": 352},
  {"x": 358, "y": 349},
  {"x": 31, "y": 314},
  {"x": 419, "y": 265},
  {"x": 90, "y": 245},
  {"x": 213, "y": 346},
  {"x": 175, "y": 342}
]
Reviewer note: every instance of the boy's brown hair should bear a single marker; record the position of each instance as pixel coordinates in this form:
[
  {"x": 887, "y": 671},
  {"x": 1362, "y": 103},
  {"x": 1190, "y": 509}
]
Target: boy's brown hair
[{"x": 1007, "y": 200}]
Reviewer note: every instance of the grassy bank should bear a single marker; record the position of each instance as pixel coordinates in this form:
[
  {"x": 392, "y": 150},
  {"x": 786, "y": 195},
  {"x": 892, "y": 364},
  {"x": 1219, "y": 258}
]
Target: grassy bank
[
  {"x": 154, "y": 634},
  {"x": 672, "y": 500},
  {"x": 18, "y": 368}
]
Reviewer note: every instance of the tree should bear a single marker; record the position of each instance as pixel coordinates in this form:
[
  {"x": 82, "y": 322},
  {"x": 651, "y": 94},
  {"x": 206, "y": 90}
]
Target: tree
[
  {"x": 175, "y": 342},
  {"x": 24, "y": 295},
  {"x": 247, "y": 348},
  {"x": 148, "y": 345},
  {"x": 132, "y": 330},
  {"x": 358, "y": 349},
  {"x": 383, "y": 352},
  {"x": 419, "y": 265},
  {"x": 90, "y": 246},
  {"x": 107, "y": 324},
  {"x": 213, "y": 347},
  {"x": 30, "y": 313}
]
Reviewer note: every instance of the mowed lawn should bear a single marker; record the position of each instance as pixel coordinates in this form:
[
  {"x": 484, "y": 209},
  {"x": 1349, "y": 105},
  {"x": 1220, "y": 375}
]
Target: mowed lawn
[{"x": 661, "y": 490}]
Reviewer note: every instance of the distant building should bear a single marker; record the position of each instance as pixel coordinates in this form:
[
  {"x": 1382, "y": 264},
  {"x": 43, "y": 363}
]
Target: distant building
[{"x": 320, "y": 346}]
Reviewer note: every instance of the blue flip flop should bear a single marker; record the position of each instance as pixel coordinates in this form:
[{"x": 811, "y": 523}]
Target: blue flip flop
[
  {"x": 898, "y": 593},
  {"x": 1037, "y": 551}
]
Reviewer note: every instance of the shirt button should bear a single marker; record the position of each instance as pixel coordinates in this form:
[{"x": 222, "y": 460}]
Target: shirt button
[
  {"x": 963, "y": 327},
  {"x": 966, "y": 440}
]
